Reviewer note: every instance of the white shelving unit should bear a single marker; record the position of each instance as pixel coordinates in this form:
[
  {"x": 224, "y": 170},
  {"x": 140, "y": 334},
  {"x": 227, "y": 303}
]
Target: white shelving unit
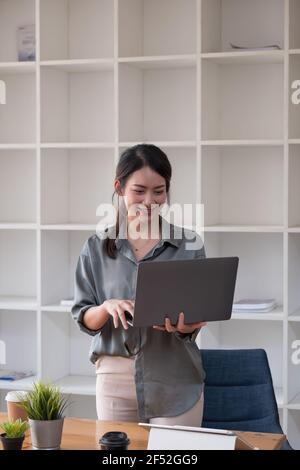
[{"x": 109, "y": 74}]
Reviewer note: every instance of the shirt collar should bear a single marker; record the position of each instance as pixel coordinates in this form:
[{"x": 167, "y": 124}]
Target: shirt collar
[{"x": 171, "y": 233}]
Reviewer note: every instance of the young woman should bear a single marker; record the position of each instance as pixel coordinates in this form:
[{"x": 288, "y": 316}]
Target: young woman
[{"x": 150, "y": 374}]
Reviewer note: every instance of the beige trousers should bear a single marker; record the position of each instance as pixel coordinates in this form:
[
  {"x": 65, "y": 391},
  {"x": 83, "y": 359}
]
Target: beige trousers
[{"x": 116, "y": 395}]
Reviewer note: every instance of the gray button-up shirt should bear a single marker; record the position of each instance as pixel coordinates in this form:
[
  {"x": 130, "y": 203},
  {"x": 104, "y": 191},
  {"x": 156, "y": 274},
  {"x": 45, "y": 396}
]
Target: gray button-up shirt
[{"x": 169, "y": 375}]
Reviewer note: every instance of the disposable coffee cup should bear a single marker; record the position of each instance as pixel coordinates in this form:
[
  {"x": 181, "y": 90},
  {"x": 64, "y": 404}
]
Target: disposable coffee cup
[
  {"x": 114, "y": 440},
  {"x": 14, "y": 411}
]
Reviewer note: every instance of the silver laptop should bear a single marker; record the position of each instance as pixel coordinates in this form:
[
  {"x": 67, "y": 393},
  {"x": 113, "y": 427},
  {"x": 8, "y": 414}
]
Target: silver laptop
[{"x": 201, "y": 288}]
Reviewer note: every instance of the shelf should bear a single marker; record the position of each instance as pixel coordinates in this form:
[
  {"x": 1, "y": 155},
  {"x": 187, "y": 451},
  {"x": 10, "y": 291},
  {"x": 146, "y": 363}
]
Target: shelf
[
  {"x": 77, "y": 384},
  {"x": 18, "y": 303},
  {"x": 294, "y": 317},
  {"x": 294, "y": 404},
  {"x": 17, "y": 226},
  {"x": 274, "y": 315},
  {"x": 157, "y": 62},
  {"x": 243, "y": 142},
  {"x": 179, "y": 144},
  {"x": 23, "y": 384},
  {"x": 77, "y": 145},
  {"x": 245, "y": 228},
  {"x": 13, "y": 68},
  {"x": 71, "y": 227},
  {"x": 79, "y": 65},
  {"x": 245, "y": 57},
  {"x": 56, "y": 308},
  {"x": 18, "y": 146}
]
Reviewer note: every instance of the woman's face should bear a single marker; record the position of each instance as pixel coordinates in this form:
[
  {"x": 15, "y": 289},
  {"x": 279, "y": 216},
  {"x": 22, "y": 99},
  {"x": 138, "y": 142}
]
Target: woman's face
[{"x": 144, "y": 192}]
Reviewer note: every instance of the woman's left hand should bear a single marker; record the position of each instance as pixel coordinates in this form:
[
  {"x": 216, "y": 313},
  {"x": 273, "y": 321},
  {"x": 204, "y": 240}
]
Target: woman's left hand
[{"x": 181, "y": 327}]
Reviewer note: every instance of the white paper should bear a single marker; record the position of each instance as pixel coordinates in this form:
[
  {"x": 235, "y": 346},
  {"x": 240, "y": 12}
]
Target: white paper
[{"x": 175, "y": 439}]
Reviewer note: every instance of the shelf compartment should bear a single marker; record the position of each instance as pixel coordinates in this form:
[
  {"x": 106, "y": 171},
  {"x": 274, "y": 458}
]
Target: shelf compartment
[
  {"x": 157, "y": 27},
  {"x": 294, "y": 190},
  {"x": 18, "y": 263},
  {"x": 72, "y": 346},
  {"x": 83, "y": 30},
  {"x": 18, "y": 116},
  {"x": 241, "y": 23},
  {"x": 294, "y": 274},
  {"x": 260, "y": 271},
  {"x": 13, "y": 14},
  {"x": 17, "y": 186},
  {"x": 294, "y": 109},
  {"x": 242, "y": 186},
  {"x": 72, "y": 188},
  {"x": 293, "y": 430},
  {"x": 233, "y": 94},
  {"x": 293, "y": 363},
  {"x": 60, "y": 253},
  {"x": 78, "y": 384},
  {"x": 146, "y": 94},
  {"x": 19, "y": 333},
  {"x": 77, "y": 106},
  {"x": 294, "y": 18},
  {"x": 246, "y": 335}
]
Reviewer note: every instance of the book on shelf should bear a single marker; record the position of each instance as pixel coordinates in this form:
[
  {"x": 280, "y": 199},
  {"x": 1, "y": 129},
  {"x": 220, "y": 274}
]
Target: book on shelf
[
  {"x": 270, "y": 47},
  {"x": 26, "y": 43},
  {"x": 11, "y": 375},
  {"x": 67, "y": 302},
  {"x": 254, "y": 305}
]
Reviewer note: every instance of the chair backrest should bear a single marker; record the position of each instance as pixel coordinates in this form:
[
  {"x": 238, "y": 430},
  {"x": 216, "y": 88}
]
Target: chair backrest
[{"x": 239, "y": 391}]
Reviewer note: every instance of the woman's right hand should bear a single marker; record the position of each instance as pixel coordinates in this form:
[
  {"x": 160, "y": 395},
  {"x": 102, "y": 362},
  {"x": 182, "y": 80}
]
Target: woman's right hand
[{"x": 116, "y": 308}]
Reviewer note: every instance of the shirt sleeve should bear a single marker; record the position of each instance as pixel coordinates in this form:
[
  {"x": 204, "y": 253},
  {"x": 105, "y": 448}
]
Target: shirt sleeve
[{"x": 85, "y": 293}]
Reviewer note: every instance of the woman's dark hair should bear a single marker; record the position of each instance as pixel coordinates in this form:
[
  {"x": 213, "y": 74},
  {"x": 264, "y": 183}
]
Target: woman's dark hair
[{"x": 133, "y": 159}]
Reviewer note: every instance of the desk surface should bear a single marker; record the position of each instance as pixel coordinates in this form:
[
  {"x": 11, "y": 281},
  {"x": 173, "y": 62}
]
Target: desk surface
[{"x": 84, "y": 434}]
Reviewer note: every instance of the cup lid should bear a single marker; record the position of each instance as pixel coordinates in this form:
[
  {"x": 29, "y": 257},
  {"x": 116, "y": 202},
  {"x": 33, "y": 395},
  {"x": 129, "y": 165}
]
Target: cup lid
[
  {"x": 16, "y": 395},
  {"x": 114, "y": 439}
]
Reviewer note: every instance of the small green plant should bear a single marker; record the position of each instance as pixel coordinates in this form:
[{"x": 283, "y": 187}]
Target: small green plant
[
  {"x": 45, "y": 402},
  {"x": 15, "y": 428}
]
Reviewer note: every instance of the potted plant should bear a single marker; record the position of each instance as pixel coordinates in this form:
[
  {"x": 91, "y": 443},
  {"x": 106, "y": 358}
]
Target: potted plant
[
  {"x": 14, "y": 433},
  {"x": 45, "y": 408}
]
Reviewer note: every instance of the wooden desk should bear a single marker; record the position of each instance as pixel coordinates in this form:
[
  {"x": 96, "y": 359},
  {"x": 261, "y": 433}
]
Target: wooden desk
[{"x": 84, "y": 434}]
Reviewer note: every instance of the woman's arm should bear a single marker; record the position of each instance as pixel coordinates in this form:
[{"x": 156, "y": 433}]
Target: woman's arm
[{"x": 95, "y": 317}]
